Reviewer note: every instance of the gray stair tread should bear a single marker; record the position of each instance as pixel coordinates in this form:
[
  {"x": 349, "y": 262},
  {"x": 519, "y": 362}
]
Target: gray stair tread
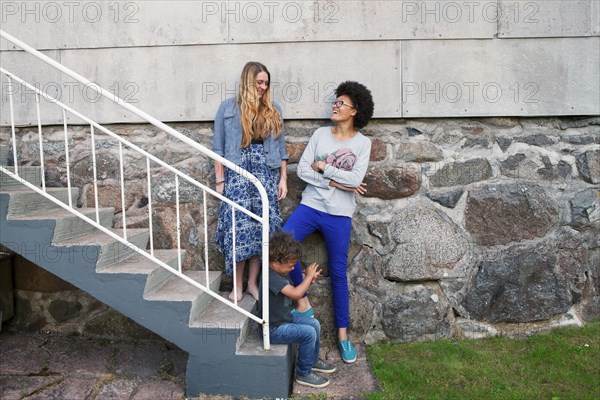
[
  {"x": 138, "y": 264},
  {"x": 177, "y": 289},
  {"x": 25, "y": 168},
  {"x": 25, "y": 190},
  {"x": 62, "y": 213},
  {"x": 11, "y": 168},
  {"x": 31, "y": 174},
  {"x": 22, "y": 201},
  {"x": 224, "y": 316},
  {"x": 253, "y": 345},
  {"x": 99, "y": 238}
]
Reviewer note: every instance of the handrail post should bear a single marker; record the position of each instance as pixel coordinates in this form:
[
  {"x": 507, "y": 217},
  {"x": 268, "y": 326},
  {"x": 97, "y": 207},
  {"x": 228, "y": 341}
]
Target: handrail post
[{"x": 265, "y": 279}]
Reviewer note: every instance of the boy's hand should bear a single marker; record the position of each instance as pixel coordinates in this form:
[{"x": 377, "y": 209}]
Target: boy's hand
[{"x": 313, "y": 272}]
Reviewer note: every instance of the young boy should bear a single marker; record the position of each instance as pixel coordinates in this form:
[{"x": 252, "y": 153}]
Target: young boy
[{"x": 286, "y": 327}]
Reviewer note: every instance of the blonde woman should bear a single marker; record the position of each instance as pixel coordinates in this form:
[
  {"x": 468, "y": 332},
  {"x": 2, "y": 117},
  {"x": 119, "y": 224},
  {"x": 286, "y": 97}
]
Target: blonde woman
[{"x": 249, "y": 132}]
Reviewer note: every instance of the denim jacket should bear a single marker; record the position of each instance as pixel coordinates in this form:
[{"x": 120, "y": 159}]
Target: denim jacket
[{"x": 228, "y": 137}]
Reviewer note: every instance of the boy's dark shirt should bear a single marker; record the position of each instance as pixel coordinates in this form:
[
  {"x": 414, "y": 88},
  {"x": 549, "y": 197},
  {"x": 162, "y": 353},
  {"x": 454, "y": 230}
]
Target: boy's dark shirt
[{"x": 280, "y": 306}]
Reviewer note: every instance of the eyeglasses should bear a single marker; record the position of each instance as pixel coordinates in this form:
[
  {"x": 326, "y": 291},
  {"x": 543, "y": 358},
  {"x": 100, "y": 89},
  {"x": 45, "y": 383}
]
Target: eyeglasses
[{"x": 339, "y": 103}]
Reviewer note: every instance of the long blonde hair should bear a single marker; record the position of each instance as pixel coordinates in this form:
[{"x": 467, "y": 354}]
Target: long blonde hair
[{"x": 259, "y": 116}]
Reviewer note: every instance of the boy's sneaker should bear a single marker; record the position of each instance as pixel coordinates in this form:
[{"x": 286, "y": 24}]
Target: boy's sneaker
[
  {"x": 312, "y": 380},
  {"x": 322, "y": 366},
  {"x": 347, "y": 351}
]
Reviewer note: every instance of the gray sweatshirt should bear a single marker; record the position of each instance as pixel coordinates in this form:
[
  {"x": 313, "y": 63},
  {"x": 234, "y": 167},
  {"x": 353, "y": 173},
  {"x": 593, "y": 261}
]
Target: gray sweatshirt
[{"x": 347, "y": 163}]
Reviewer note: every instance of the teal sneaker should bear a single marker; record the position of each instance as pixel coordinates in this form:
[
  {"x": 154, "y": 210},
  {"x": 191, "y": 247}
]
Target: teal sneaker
[
  {"x": 347, "y": 351},
  {"x": 308, "y": 313}
]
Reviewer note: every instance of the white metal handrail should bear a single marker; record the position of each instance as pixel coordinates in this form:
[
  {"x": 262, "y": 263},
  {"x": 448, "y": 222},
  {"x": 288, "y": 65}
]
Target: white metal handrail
[{"x": 264, "y": 219}]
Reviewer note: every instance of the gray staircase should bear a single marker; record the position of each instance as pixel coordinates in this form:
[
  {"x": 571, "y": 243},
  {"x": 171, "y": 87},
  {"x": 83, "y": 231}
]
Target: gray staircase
[{"x": 224, "y": 346}]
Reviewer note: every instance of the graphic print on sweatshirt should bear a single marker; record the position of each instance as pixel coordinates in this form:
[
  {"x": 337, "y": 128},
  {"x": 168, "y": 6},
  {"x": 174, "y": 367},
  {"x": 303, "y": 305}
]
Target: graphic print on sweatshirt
[{"x": 343, "y": 159}]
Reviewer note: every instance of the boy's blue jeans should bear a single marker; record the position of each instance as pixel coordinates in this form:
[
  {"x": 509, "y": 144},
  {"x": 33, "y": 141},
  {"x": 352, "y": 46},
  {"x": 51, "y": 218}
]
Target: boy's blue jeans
[{"x": 306, "y": 331}]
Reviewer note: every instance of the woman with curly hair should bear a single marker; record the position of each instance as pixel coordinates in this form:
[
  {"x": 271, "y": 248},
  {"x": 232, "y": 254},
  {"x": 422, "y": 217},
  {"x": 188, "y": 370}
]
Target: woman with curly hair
[
  {"x": 249, "y": 132},
  {"x": 333, "y": 165}
]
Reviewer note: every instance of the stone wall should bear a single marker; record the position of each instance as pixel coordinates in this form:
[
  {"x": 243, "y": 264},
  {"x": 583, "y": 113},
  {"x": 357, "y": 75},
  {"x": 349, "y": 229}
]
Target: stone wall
[{"x": 470, "y": 227}]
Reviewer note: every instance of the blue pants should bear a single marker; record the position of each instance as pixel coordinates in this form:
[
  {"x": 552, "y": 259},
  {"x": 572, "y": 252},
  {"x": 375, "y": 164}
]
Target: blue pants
[
  {"x": 336, "y": 231},
  {"x": 306, "y": 331}
]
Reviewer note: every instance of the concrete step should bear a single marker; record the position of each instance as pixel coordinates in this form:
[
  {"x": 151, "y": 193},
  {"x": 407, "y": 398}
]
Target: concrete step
[
  {"x": 177, "y": 289},
  {"x": 140, "y": 265},
  {"x": 22, "y": 202},
  {"x": 220, "y": 316},
  {"x": 253, "y": 344},
  {"x": 32, "y": 175},
  {"x": 111, "y": 250},
  {"x": 158, "y": 277},
  {"x": 69, "y": 225}
]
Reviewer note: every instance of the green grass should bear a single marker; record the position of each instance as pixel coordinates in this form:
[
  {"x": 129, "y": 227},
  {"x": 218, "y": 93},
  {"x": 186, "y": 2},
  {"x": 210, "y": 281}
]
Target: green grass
[{"x": 562, "y": 365}]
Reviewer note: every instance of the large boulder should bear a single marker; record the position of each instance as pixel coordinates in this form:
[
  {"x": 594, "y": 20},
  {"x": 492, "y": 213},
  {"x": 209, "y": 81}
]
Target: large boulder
[
  {"x": 420, "y": 313},
  {"x": 394, "y": 183},
  {"x": 366, "y": 283},
  {"x": 462, "y": 173},
  {"x": 525, "y": 287},
  {"x": 428, "y": 246},
  {"x": 419, "y": 152},
  {"x": 534, "y": 164},
  {"x": 589, "y": 308},
  {"x": 378, "y": 150},
  {"x": 504, "y": 213}
]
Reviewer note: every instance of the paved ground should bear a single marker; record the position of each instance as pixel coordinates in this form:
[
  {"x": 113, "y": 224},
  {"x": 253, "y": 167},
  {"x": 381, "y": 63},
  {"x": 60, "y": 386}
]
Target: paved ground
[{"x": 51, "y": 366}]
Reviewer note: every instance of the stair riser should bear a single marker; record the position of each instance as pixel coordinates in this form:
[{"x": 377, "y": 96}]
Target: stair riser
[
  {"x": 244, "y": 332},
  {"x": 204, "y": 299},
  {"x": 158, "y": 277},
  {"x": 73, "y": 226},
  {"x": 22, "y": 203},
  {"x": 30, "y": 174},
  {"x": 117, "y": 251},
  {"x": 160, "y": 288}
]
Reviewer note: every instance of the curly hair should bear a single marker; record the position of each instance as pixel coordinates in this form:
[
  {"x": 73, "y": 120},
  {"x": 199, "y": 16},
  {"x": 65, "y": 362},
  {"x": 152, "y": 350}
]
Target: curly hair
[
  {"x": 362, "y": 100},
  {"x": 284, "y": 248}
]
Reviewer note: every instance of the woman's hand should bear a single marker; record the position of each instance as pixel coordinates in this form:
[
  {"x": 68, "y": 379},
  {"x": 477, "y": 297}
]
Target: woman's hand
[
  {"x": 318, "y": 166},
  {"x": 360, "y": 189},
  {"x": 219, "y": 177},
  {"x": 282, "y": 189}
]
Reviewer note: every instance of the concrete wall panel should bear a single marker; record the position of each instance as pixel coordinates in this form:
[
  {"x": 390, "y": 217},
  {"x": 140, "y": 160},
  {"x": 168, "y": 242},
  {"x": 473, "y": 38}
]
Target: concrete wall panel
[
  {"x": 361, "y": 20},
  {"x": 177, "y": 60},
  {"x": 187, "y": 83},
  {"x": 39, "y": 75},
  {"x": 96, "y": 24},
  {"x": 548, "y": 18},
  {"x": 517, "y": 77}
]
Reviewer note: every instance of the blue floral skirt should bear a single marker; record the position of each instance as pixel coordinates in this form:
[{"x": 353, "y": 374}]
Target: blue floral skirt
[{"x": 248, "y": 231}]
